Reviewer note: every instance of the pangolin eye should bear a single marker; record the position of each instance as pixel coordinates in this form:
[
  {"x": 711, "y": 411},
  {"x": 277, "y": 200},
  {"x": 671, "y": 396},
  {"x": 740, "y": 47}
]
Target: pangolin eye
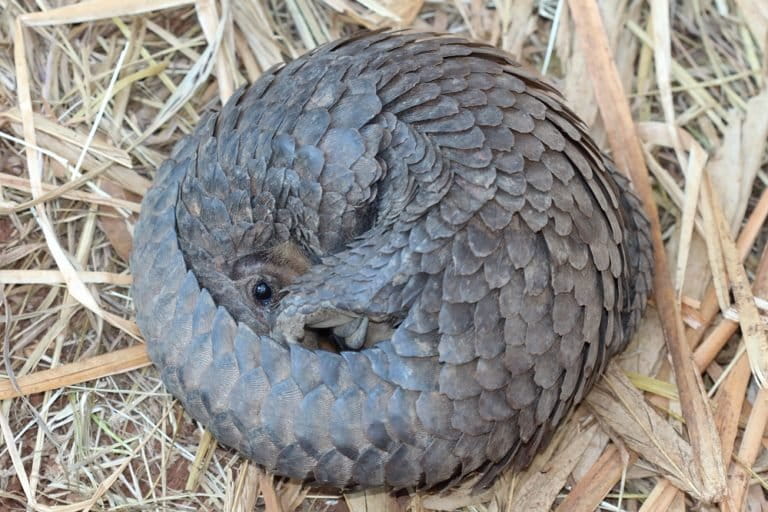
[{"x": 262, "y": 292}]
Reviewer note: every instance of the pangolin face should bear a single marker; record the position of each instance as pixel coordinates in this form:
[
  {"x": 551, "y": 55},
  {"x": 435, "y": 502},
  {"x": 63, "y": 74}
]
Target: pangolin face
[{"x": 261, "y": 280}]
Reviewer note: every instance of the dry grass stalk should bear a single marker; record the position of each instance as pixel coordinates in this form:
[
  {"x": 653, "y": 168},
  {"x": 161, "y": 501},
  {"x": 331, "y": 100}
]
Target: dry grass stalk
[
  {"x": 661, "y": 497},
  {"x": 86, "y": 370},
  {"x": 628, "y": 155},
  {"x": 749, "y": 318},
  {"x": 587, "y": 495},
  {"x": 739, "y": 473}
]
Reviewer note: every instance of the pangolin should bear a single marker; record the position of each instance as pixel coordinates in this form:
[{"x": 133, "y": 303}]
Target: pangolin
[{"x": 398, "y": 260}]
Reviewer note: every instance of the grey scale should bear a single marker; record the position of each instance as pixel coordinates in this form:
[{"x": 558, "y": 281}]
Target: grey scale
[{"x": 446, "y": 198}]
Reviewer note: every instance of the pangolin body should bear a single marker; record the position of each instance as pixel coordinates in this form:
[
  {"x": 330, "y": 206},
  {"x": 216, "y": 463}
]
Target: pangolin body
[{"x": 429, "y": 205}]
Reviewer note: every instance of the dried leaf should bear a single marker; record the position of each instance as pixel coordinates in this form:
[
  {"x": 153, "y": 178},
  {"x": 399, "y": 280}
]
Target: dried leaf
[
  {"x": 374, "y": 499},
  {"x": 540, "y": 489},
  {"x": 116, "y": 225},
  {"x": 245, "y": 492},
  {"x": 622, "y": 407}
]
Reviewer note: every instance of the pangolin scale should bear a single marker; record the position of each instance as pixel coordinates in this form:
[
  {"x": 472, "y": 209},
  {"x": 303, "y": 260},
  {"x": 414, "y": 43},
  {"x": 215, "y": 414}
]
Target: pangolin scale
[{"x": 433, "y": 209}]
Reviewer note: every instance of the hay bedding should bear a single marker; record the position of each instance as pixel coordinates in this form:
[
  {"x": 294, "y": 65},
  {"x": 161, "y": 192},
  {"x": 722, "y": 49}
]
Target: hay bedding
[{"x": 92, "y": 96}]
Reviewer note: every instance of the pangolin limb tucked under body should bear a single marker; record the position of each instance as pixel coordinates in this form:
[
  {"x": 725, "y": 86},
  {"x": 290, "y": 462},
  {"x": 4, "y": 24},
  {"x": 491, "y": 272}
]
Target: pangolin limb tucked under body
[{"x": 427, "y": 204}]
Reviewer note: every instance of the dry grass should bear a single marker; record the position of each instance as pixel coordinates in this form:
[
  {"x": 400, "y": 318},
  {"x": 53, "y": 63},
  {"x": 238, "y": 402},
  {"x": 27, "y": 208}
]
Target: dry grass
[{"x": 92, "y": 96}]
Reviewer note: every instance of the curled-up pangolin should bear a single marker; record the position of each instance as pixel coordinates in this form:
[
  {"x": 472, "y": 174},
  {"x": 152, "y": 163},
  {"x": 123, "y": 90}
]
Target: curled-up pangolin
[{"x": 425, "y": 208}]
